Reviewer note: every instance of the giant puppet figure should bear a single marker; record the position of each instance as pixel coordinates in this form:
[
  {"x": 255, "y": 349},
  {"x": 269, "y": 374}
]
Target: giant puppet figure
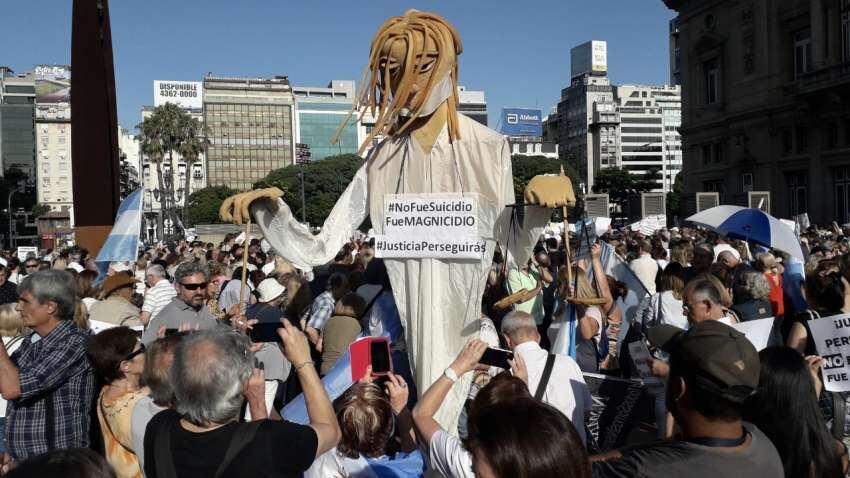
[{"x": 410, "y": 86}]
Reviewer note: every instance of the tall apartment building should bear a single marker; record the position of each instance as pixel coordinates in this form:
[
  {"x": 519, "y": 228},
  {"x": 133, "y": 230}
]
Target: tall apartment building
[
  {"x": 17, "y": 121},
  {"x": 250, "y": 124},
  {"x": 766, "y": 103},
  {"x": 600, "y": 125},
  {"x": 319, "y": 112},
  {"x": 649, "y": 139},
  {"x": 53, "y": 137}
]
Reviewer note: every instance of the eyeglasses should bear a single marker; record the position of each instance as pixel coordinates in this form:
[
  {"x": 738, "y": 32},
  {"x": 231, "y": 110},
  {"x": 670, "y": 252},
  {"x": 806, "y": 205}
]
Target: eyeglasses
[
  {"x": 202, "y": 285},
  {"x": 133, "y": 354}
]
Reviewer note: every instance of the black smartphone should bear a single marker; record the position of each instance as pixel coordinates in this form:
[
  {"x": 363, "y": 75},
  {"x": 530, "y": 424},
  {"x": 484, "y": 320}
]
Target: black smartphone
[
  {"x": 265, "y": 332},
  {"x": 497, "y": 358},
  {"x": 382, "y": 363}
]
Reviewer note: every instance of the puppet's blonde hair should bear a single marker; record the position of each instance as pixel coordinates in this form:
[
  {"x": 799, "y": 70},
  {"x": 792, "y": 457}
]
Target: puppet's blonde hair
[{"x": 374, "y": 94}]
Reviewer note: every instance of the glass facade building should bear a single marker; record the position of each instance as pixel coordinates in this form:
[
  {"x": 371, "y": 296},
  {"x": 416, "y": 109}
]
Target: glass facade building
[
  {"x": 17, "y": 122},
  {"x": 250, "y": 126},
  {"x": 318, "y": 124}
]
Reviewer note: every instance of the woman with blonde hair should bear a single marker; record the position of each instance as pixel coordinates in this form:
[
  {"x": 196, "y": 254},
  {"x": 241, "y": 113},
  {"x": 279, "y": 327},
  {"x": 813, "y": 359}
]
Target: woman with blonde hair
[
  {"x": 11, "y": 330},
  {"x": 768, "y": 265}
]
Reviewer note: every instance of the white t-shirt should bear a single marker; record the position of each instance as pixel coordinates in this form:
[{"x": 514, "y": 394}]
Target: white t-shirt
[
  {"x": 671, "y": 311},
  {"x": 448, "y": 457},
  {"x": 566, "y": 390}
]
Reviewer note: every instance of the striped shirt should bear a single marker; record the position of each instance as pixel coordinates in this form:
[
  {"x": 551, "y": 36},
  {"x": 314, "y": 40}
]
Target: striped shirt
[{"x": 158, "y": 296}]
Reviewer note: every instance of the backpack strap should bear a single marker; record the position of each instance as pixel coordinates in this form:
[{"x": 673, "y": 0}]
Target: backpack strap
[
  {"x": 242, "y": 438},
  {"x": 544, "y": 379}
]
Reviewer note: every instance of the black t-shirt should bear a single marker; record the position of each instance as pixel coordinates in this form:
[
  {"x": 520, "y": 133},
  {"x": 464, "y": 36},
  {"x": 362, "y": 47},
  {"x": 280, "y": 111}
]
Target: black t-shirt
[
  {"x": 279, "y": 449},
  {"x": 678, "y": 458}
]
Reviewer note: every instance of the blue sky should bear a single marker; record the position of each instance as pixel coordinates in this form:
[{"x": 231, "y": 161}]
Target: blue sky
[{"x": 517, "y": 52}]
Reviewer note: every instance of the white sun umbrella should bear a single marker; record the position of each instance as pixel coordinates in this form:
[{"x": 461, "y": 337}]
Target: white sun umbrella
[{"x": 750, "y": 224}]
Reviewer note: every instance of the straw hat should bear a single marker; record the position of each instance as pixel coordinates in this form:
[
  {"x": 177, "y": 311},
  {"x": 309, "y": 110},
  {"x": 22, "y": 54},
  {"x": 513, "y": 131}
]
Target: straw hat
[{"x": 115, "y": 282}]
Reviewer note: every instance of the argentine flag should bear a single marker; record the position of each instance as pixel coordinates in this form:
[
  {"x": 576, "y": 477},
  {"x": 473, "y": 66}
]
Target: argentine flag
[{"x": 122, "y": 244}]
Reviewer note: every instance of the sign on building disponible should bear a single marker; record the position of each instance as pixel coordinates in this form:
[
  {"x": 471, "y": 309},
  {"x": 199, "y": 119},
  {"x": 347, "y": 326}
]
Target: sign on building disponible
[{"x": 185, "y": 94}]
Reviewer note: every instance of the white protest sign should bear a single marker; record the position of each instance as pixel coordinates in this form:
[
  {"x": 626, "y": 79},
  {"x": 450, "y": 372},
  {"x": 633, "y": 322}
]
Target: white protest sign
[
  {"x": 97, "y": 326},
  {"x": 24, "y": 251},
  {"x": 602, "y": 225},
  {"x": 832, "y": 340},
  {"x": 757, "y": 331},
  {"x": 438, "y": 226}
]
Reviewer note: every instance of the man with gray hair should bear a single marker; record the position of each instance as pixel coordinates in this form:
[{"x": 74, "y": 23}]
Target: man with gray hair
[
  {"x": 160, "y": 292},
  {"x": 156, "y": 375},
  {"x": 48, "y": 381},
  {"x": 556, "y": 379},
  {"x": 189, "y": 306},
  {"x": 202, "y": 436}
]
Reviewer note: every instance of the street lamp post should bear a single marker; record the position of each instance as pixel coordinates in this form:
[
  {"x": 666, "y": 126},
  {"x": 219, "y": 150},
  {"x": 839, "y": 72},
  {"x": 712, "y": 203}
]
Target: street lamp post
[{"x": 11, "y": 238}]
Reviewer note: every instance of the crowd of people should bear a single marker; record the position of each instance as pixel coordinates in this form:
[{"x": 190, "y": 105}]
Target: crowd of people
[{"x": 149, "y": 369}]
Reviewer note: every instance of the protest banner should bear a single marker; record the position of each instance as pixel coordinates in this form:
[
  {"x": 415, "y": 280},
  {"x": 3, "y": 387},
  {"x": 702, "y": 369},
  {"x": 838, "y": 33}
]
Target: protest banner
[
  {"x": 24, "y": 251},
  {"x": 832, "y": 340},
  {"x": 757, "y": 331},
  {"x": 802, "y": 221},
  {"x": 623, "y": 410},
  {"x": 439, "y": 226}
]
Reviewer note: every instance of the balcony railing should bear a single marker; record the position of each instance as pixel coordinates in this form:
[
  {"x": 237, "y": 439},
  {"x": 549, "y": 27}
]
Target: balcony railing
[{"x": 824, "y": 78}]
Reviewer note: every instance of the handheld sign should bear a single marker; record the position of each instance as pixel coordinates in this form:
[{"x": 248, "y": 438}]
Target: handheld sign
[
  {"x": 832, "y": 340},
  {"x": 757, "y": 331}
]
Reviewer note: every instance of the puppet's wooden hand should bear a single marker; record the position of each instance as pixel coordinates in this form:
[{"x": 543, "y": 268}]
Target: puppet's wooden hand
[
  {"x": 236, "y": 208},
  {"x": 550, "y": 191}
]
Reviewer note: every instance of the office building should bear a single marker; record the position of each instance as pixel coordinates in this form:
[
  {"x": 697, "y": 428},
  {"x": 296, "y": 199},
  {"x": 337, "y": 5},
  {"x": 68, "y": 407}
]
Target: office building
[
  {"x": 130, "y": 149},
  {"x": 599, "y": 125},
  {"x": 765, "y": 88},
  {"x": 319, "y": 112},
  {"x": 583, "y": 109},
  {"x": 17, "y": 122},
  {"x": 649, "y": 118},
  {"x": 250, "y": 122},
  {"x": 472, "y": 103},
  {"x": 54, "y": 163}
]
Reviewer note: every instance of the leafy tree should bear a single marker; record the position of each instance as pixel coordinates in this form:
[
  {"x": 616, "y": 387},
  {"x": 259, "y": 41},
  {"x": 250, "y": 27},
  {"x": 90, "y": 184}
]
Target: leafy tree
[
  {"x": 649, "y": 180},
  {"x": 193, "y": 142},
  {"x": 526, "y": 167},
  {"x": 127, "y": 177},
  {"x": 167, "y": 130},
  {"x": 204, "y": 204},
  {"x": 324, "y": 183},
  {"x": 618, "y": 183},
  {"x": 674, "y": 197},
  {"x": 39, "y": 210}
]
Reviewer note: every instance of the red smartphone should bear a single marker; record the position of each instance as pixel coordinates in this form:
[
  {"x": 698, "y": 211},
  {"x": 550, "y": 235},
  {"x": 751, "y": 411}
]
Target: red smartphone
[{"x": 374, "y": 351}]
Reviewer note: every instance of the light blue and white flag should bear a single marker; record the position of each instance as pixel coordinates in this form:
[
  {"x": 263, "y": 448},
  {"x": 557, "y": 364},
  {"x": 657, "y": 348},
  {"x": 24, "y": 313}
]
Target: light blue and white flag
[{"x": 122, "y": 244}]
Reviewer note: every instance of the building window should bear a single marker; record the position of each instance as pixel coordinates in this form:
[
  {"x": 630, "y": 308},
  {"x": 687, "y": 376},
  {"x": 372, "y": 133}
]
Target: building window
[
  {"x": 797, "y": 182},
  {"x": 802, "y": 52},
  {"x": 841, "y": 188},
  {"x": 831, "y": 135},
  {"x": 845, "y": 30},
  {"x": 712, "y": 81},
  {"x": 706, "y": 154},
  {"x": 802, "y": 139},
  {"x": 747, "y": 182}
]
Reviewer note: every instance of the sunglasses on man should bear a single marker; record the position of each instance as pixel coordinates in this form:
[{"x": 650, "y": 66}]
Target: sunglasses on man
[{"x": 202, "y": 285}]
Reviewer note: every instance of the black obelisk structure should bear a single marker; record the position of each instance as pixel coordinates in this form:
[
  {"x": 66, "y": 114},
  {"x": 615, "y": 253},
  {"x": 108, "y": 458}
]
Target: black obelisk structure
[{"x": 94, "y": 124}]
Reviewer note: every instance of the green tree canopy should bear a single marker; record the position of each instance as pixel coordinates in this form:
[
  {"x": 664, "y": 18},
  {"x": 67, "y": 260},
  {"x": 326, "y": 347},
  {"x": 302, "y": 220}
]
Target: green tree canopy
[
  {"x": 204, "y": 204},
  {"x": 526, "y": 167},
  {"x": 324, "y": 183}
]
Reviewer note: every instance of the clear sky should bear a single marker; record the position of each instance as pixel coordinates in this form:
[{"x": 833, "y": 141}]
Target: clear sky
[{"x": 516, "y": 51}]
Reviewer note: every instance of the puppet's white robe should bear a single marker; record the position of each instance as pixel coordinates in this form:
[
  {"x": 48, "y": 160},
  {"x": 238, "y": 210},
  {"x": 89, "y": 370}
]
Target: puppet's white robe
[{"x": 439, "y": 300}]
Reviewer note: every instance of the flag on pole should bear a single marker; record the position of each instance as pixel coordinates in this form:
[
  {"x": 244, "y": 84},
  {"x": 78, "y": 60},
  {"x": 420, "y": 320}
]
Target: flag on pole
[{"x": 122, "y": 244}]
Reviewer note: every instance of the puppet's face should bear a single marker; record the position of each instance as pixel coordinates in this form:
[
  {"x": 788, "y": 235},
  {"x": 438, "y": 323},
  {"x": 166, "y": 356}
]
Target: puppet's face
[{"x": 425, "y": 65}]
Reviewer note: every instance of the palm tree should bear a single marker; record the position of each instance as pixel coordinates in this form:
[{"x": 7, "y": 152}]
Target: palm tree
[
  {"x": 160, "y": 136},
  {"x": 193, "y": 142}
]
